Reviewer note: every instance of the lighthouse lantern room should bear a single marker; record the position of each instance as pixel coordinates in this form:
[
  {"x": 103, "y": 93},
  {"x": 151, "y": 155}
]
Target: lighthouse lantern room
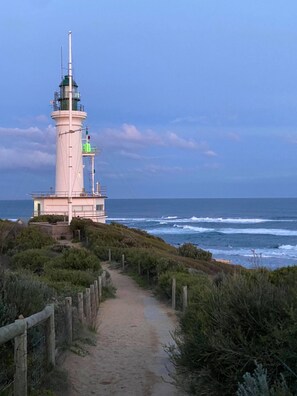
[{"x": 73, "y": 148}]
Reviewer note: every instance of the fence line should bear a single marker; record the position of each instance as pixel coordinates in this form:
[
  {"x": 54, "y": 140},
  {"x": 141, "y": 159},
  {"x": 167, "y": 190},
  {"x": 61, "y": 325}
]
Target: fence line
[
  {"x": 88, "y": 305},
  {"x": 184, "y": 293}
]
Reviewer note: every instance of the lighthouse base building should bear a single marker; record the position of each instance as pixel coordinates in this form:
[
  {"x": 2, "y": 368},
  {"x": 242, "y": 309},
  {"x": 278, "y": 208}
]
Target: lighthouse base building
[{"x": 73, "y": 152}]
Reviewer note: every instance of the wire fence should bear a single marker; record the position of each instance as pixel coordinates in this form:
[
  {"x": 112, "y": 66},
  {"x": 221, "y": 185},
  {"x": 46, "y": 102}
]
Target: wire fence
[
  {"x": 7, "y": 368},
  {"x": 28, "y": 347}
]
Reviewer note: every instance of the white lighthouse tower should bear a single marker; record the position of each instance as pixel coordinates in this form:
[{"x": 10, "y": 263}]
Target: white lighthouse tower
[{"x": 72, "y": 146}]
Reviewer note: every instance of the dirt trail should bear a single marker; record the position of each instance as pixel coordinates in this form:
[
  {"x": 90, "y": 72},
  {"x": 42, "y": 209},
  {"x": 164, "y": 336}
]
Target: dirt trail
[{"x": 129, "y": 358}]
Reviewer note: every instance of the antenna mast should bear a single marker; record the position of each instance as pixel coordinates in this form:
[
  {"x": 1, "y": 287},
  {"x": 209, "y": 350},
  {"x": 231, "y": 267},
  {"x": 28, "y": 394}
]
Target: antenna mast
[
  {"x": 62, "y": 63},
  {"x": 70, "y": 131}
]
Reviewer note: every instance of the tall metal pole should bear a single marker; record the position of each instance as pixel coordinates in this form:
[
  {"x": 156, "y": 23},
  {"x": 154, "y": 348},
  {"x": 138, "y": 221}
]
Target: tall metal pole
[
  {"x": 93, "y": 173},
  {"x": 70, "y": 132}
]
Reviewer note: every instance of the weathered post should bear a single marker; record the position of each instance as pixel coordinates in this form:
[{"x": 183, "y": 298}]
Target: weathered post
[
  {"x": 100, "y": 287},
  {"x": 123, "y": 262},
  {"x": 173, "y": 294},
  {"x": 88, "y": 305},
  {"x": 78, "y": 235},
  {"x": 80, "y": 307},
  {"x": 96, "y": 293},
  {"x": 50, "y": 338},
  {"x": 20, "y": 358},
  {"x": 185, "y": 298},
  {"x": 103, "y": 278},
  {"x": 93, "y": 303},
  {"x": 109, "y": 255},
  {"x": 68, "y": 314}
]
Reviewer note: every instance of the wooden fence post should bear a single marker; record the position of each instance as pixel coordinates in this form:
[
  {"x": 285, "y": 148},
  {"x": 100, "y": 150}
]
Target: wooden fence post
[
  {"x": 20, "y": 358},
  {"x": 109, "y": 255},
  {"x": 50, "y": 339},
  {"x": 103, "y": 279},
  {"x": 68, "y": 309},
  {"x": 93, "y": 303},
  {"x": 80, "y": 307},
  {"x": 100, "y": 287},
  {"x": 88, "y": 306},
  {"x": 96, "y": 293},
  {"x": 173, "y": 294},
  {"x": 123, "y": 262},
  {"x": 185, "y": 298}
]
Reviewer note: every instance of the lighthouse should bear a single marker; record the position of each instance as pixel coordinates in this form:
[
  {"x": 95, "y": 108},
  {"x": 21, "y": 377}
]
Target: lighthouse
[{"x": 74, "y": 151}]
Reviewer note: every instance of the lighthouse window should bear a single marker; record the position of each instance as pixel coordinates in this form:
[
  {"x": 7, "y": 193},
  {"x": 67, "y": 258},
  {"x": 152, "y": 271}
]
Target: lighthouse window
[{"x": 99, "y": 208}]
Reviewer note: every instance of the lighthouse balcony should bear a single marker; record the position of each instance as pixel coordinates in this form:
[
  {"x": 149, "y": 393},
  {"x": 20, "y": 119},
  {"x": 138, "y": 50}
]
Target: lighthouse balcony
[{"x": 65, "y": 194}]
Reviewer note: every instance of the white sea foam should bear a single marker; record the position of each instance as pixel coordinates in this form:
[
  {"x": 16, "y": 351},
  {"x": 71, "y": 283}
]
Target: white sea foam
[
  {"x": 194, "y": 219},
  {"x": 288, "y": 247},
  {"x": 258, "y": 253},
  {"x": 258, "y": 231},
  {"x": 135, "y": 219},
  {"x": 228, "y": 220},
  {"x": 179, "y": 229}
]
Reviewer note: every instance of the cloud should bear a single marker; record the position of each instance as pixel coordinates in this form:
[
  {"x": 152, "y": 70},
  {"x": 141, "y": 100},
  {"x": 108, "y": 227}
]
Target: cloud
[
  {"x": 32, "y": 132},
  {"x": 190, "y": 120},
  {"x": 17, "y": 158},
  {"x": 210, "y": 153},
  {"x": 177, "y": 141},
  {"x": 29, "y": 148},
  {"x": 130, "y": 136},
  {"x": 130, "y": 155},
  {"x": 162, "y": 169}
]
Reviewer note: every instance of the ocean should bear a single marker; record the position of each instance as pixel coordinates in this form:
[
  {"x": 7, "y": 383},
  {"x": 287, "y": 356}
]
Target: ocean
[{"x": 251, "y": 232}]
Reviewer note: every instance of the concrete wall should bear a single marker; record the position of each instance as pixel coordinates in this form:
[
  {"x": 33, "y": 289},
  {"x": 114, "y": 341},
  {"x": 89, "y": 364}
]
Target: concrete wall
[{"x": 57, "y": 231}]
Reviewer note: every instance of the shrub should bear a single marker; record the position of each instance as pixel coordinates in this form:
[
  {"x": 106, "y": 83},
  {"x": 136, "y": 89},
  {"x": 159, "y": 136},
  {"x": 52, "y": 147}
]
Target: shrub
[
  {"x": 243, "y": 318},
  {"x": 51, "y": 219},
  {"x": 257, "y": 384},
  {"x": 31, "y": 259},
  {"x": 196, "y": 284},
  {"x": 74, "y": 277},
  {"x": 32, "y": 238},
  {"x": 8, "y": 233},
  {"x": 23, "y": 294},
  {"x": 77, "y": 259},
  {"x": 189, "y": 250}
]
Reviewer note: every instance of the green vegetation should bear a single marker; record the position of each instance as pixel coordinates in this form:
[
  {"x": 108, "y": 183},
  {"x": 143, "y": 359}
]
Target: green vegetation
[
  {"x": 238, "y": 334},
  {"x": 233, "y": 323},
  {"x": 35, "y": 271},
  {"x": 237, "y": 320},
  {"x": 189, "y": 250}
]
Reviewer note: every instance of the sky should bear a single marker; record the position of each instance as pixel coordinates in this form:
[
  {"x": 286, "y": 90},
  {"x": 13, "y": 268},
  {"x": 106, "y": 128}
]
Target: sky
[{"x": 185, "y": 98}]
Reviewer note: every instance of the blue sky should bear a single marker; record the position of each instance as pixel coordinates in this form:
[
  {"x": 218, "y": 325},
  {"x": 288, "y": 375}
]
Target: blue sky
[{"x": 184, "y": 98}]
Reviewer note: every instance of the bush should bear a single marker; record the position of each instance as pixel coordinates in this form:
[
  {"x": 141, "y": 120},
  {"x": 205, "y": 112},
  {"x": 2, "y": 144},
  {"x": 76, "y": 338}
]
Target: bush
[
  {"x": 196, "y": 284},
  {"x": 241, "y": 319},
  {"x": 74, "y": 277},
  {"x": 32, "y": 238},
  {"x": 51, "y": 219},
  {"x": 189, "y": 250},
  {"x": 257, "y": 384},
  {"x": 77, "y": 259},
  {"x": 31, "y": 259},
  {"x": 23, "y": 294}
]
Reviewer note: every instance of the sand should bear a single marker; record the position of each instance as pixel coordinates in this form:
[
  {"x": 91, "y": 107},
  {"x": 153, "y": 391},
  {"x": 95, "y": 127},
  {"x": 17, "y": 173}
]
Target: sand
[{"x": 129, "y": 358}]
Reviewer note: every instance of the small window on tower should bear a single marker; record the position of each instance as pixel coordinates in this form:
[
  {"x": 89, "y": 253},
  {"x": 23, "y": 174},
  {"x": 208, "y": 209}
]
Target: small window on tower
[{"x": 99, "y": 208}]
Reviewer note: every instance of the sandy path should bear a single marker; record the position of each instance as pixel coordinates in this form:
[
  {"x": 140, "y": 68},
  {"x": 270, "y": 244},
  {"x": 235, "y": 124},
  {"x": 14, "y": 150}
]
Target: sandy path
[{"x": 129, "y": 358}]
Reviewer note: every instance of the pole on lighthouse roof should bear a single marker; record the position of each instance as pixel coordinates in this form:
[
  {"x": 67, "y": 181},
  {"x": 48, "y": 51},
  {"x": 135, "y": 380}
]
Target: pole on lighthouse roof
[{"x": 70, "y": 130}]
